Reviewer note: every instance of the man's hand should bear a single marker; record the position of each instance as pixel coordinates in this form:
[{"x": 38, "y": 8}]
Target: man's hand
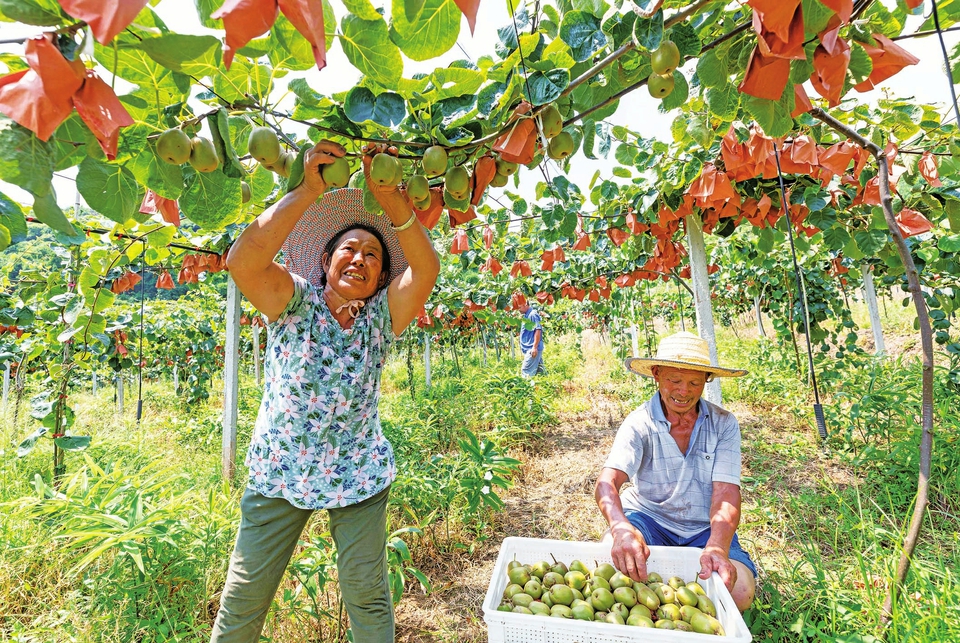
[
  {"x": 323, "y": 153},
  {"x": 629, "y": 551},
  {"x": 715, "y": 559},
  {"x": 533, "y": 352}
]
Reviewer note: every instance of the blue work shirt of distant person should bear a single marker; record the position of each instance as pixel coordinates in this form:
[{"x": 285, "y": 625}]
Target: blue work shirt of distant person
[{"x": 528, "y": 336}]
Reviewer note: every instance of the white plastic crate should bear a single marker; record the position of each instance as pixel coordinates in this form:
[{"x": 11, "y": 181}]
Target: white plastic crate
[{"x": 506, "y": 627}]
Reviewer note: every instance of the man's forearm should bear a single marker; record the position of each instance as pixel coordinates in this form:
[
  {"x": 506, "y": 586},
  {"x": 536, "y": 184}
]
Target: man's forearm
[{"x": 724, "y": 516}]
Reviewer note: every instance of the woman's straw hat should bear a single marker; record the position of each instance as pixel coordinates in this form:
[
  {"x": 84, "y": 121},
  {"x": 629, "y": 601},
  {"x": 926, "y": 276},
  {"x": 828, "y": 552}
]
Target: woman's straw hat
[
  {"x": 336, "y": 211},
  {"x": 681, "y": 350}
]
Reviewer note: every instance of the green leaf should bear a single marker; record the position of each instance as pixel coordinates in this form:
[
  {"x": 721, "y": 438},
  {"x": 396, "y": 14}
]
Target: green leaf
[
  {"x": 42, "y": 13},
  {"x": 679, "y": 94},
  {"x": 163, "y": 178},
  {"x": 211, "y": 200},
  {"x": 773, "y": 116},
  {"x": 386, "y": 109},
  {"x": 362, "y": 9},
  {"x": 622, "y": 172},
  {"x": 712, "y": 70},
  {"x": 296, "y": 171},
  {"x": 204, "y": 9},
  {"x": 110, "y": 189},
  {"x": 161, "y": 237},
  {"x": 724, "y": 101},
  {"x": 368, "y": 47},
  {"x": 702, "y": 133},
  {"x": 861, "y": 64},
  {"x": 27, "y": 445},
  {"x": 815, "y": 17},
  {"x": 625, "y": 154},
  {"x": 645, "y": 5},
  {"x": 4, "y": 237},
  {"x": 220, "y": 130},
  {"x": 261, "y": 183},
  {"x": 460, "y": 206},
  {"x": 547, "y": 87},
  {"x": 678, "y": 128},
  {"x": 287, "y": 48},
  {"x": 765, "y": 240},
  {"x": 686, "y": 39},
  {"x": 434, "y": 31},
  {"x": 412, "y": 9},
  {"x": 26, "y": 161},
  {"x": 589, "y": 135},
  {"x": 800, "y": 71},
  {"x": 242, "y": 79},
  {"x": 451, "y": 82},
  {"x": 582, "y": 33},
  {"x": 870, "y": 241},
  {"x": 648, "y": 33},
  {"x": 193, "y": 55},
  {"x": 46, "y": 210},
  {"x": 72, "y": 442},
  {"x": 950, "y": 243},
  {"x": 11, "y": 216},
  {"x": 952, "y": 209}
]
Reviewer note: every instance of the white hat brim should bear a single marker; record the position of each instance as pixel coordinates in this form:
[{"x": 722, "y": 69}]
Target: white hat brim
[{"x": 644, "y": 365}]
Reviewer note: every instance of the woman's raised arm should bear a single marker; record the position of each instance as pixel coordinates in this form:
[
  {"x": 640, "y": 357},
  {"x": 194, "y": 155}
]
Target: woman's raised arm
[
  {"x": 410, "y": 290},
  {"x": 264, "y": 282}
]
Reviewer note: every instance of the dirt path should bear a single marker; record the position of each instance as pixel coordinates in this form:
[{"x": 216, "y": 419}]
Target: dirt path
[{"x": 552, "y": 498}]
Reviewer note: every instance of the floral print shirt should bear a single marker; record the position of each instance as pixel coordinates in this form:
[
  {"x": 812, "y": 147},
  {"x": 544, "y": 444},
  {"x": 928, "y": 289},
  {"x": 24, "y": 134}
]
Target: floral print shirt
[{"x": 317, "y": 440}]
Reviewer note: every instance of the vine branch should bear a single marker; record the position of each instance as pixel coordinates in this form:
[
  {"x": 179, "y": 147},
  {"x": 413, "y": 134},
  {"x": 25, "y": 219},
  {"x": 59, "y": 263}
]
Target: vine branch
[{"x": 926, "y": 340}]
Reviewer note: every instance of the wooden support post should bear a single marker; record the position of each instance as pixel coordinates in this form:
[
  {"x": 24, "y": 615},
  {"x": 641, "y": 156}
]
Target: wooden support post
[
  {"x": 176, "y": 377},
  {"x": 96, "y": 383},
  {"x": 256, "y": 353},
  {"x": 701, "y": 299},
  {"x": 427, "y": 341},
  {"x": 483, "y": 341},
  {"x": 231, "y": 379},
  {"x": 870, "y": 297}
]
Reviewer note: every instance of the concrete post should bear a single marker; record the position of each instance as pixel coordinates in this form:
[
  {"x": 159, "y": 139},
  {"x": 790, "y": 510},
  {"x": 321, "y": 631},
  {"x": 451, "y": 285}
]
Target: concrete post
[
  {"x": 701, "y": 298},
  {"x": 427, "y": 341},
  {"x": 6, "y": 386},
  {"x": 870, "y": 297},
  {"x": 756, "y": 308},
  {"x": 119, "y": 394},
  {"x": 256, "y": 353},
  {"x": 231, "y": 379}
]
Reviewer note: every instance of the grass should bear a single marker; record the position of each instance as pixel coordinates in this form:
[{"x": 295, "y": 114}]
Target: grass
[{"x": 135, "y": 544}]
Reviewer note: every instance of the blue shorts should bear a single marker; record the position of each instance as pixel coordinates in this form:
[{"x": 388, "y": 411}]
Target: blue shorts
[{"x": 654, "y": 534}]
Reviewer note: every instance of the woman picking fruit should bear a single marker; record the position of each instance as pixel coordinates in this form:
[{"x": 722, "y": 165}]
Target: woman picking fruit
[
  {"x": 682, "y": 455},
  {"x": 350, "y": 285}
]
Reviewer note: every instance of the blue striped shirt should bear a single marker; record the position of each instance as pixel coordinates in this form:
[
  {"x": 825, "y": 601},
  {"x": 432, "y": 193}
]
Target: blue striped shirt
[{"x": 672, "y": 487}]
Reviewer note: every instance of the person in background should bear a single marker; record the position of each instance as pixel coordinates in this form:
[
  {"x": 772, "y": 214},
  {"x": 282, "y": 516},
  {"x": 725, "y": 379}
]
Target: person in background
[
  {"x": 682, "y": 454},
  {"x": 350, "y": 285},
  {"x": 531, "y": 338}
]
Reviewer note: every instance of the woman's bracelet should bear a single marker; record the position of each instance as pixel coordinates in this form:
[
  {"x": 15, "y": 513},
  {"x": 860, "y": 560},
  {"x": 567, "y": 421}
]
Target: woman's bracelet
[{"x": 401, "y": 228}]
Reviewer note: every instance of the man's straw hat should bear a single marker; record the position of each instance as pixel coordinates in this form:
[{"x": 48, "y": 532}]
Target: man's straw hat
[{"x": 681, "y": 350}]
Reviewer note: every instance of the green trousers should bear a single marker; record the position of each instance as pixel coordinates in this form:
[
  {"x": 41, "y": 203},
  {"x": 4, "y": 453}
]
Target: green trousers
[{"x": 269, "y": 531}]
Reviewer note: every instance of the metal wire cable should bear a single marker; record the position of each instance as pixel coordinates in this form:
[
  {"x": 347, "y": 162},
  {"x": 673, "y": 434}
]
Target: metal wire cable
[{"x": 801, "y": 287}]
